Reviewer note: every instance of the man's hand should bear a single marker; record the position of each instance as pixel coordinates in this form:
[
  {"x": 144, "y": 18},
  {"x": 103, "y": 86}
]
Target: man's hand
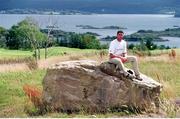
[{"x": 123, "y": 59}]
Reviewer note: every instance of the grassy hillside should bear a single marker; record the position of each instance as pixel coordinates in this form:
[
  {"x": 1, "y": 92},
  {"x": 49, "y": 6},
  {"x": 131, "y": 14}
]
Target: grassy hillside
[
  {"x": 4, "y": 53},
  {"x": 14, "y": 103},
  {"x": 19, "y": 56},
  {"x": 95, "y": 6},
  {"x": 54, "y": 51}
]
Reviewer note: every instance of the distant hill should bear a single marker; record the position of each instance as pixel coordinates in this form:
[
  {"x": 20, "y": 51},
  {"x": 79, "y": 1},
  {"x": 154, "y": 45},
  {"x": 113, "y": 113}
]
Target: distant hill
[
  {"x": 96, "y": 6},
  {"x": 177, "y": 13}
]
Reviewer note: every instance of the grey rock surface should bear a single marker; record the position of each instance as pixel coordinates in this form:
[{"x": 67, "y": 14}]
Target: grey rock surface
[{"x": 85, "y": 85}]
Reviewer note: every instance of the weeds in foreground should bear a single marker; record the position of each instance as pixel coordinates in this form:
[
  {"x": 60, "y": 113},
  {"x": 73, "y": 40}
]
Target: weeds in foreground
[
  {"x": 32, "y": 64},
  {"x": 34, "y": 94},
  {"x": 169, "y": 107},
  {"x": 14, "y": 60}
]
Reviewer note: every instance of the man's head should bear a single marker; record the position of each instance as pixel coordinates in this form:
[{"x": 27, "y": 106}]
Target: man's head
[{"x": 120, "y": 35}]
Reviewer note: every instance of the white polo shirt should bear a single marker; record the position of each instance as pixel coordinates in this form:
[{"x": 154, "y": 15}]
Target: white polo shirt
[{"x": 117, "y": 48}]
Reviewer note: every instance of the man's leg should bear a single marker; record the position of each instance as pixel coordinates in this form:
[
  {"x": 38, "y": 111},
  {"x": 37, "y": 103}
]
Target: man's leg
[
  {"x": 134, "y": 62},
  {"x": 119, "y": 63}
]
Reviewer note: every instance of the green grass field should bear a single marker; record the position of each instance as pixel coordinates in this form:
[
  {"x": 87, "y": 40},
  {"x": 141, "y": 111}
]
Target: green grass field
[
  {"x": 4, "y": 53},
  {"x": 19, "y": 56},
  {"x": 12, "y": 97},
  {"x": 54, "y": 51},
  {"x": 13, "y": 100}
]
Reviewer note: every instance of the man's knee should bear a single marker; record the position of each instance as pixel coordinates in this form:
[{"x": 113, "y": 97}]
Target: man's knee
[
  {"x": 115, "y": 61},
  {"x": 135, "y": 58},
  {"x": 132, "y": 58}
]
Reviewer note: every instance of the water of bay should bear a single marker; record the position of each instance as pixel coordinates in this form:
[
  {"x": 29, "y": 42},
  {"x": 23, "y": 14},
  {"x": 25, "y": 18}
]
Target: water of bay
[{"x": 133, "y": 23}]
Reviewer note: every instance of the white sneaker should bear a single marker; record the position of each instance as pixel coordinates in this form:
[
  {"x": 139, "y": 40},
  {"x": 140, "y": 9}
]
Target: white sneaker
[
  {"x": 139, "y": 78},
  {"x": 128, "y": 75}
]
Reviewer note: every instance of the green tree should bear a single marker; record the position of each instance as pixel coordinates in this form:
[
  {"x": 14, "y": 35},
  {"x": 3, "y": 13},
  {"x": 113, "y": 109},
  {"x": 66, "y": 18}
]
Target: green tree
[
  {"x": 26, "y": 35},
  {"x": 3, "y": 33},
  {"x": 149, "y": 43},
  {"x": 75, "y": 41},
  {"x": 90, "y": 42},
  {"x": 142, "y": 45},
  {"x": 82, "y": 41},
  {"x": 131, "y": 46},
  {"x": 12, "y": 40}
]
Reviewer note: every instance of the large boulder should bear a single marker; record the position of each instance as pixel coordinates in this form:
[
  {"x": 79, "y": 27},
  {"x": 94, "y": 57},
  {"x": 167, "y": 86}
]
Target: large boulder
[{"x": 85, "y": 85}]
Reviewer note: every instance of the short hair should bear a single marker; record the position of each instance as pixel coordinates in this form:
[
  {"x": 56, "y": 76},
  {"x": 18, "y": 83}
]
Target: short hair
[{"x": 120, "y": 32}]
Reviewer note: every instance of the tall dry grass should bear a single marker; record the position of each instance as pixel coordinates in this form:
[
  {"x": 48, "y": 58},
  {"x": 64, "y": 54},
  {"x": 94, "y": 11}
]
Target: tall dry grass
[
  {"x": 166, "y": 70},
  {"x": 14, "y": 60}
]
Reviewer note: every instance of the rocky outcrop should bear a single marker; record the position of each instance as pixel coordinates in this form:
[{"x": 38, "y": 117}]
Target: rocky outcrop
[{"x": 77, "y": 85}]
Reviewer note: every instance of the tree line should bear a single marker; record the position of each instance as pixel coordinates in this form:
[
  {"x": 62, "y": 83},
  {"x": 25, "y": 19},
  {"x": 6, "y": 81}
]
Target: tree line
[{"x": 27, "y": 35}]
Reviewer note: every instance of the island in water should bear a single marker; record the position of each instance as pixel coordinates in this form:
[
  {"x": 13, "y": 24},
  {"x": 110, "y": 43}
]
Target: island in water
[
  {"x": 149, "y": 35},
  {"x": 105, "y": 27}
]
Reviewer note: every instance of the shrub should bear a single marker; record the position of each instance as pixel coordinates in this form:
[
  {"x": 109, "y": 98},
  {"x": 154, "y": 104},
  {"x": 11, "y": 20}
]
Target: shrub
[{"x": 35, "y": 96}]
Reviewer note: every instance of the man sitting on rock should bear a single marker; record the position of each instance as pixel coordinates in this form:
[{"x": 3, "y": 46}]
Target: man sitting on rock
[{"x": 118, "y": 56}]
